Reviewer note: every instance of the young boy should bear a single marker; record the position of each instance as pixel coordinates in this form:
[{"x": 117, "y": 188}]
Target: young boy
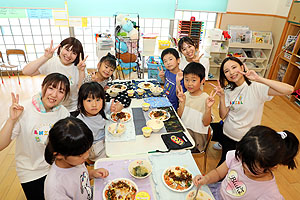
[
  {"x": 195, "y": 105},
  {"x": 173, "y": 75}
]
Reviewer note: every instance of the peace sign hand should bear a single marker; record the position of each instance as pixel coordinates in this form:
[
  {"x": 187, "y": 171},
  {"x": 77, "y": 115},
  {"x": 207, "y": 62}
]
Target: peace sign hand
[
  {"x": 161, "y": 73},
  {"x": 116, "y": 106},
  {"x": 181, "y": 96},
  {"x": 15, "y": 109},
  {"x": 197, "y": 58},
  {"x": 81, "y": 65},
  {"x": 50, "y": 51},
  {"x": 210, "y": 100},
  {"x": 179, "y": 77},
  {"x": 219, "y": 90},
  {"x": 250, "y": 74}
]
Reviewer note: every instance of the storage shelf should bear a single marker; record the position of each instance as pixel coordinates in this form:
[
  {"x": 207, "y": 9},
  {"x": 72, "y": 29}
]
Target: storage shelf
[{"x": 250, "y": 45}]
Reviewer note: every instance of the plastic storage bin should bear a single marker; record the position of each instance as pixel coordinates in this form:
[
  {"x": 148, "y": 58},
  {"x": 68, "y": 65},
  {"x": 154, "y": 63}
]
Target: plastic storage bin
[
  {"x": 163, "y": 44},
  {"x": 152, "y": 64},
  {"x": 260, "y": 55},
  {"x": 239, "y": 53}
]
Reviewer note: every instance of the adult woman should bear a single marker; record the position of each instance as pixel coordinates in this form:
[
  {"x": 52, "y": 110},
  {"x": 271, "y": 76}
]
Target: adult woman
[{"x": 70, "y": 62}]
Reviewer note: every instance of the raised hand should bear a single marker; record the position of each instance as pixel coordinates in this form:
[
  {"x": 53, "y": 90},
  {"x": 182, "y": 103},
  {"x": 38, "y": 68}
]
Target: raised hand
[
  {"x": 116, "y": 106},
  {"x": 250, "y": 74},
  {"x": 210, "y": 100},
  {"x": 81, "y": 65},
  {"x": 197, "y": 58},
  {"x": 199, "y": 180},
  {"x": 179, "y": 77},
  {"x": 15, "y": 109},
  {"x": 95, "y": 77},
  {"x": 181, "y": 96},
  {"x": 161, "y": 73},
  {"x": 219, "y": 90},
  {"x": 50, "y": 51}
]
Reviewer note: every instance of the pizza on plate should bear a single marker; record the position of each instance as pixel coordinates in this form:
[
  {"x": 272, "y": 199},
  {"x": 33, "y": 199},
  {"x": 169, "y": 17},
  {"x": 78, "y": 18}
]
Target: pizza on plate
[
  {"x": 123, "y": 116},
  {"x": 159, "y": 114},
  {"x": 178, "y": 179},
  {"x": 120, "y": 189}
]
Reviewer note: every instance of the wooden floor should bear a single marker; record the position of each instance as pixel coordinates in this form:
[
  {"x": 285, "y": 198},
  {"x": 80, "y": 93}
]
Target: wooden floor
[{"x": 278, "y": 114}]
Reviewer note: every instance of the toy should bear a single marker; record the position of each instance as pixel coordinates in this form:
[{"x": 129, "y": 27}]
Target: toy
[
  {"x": 133, "y": 34},
  {"x": 121, "y": 46},
  {"x": 127, "y": 57},
  {"x": 226, "y": 35},
  {"x": 128, "y": 26}
]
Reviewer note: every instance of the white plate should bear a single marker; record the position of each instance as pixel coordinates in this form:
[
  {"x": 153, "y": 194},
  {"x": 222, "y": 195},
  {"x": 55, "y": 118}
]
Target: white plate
[
  {"x": 144, "y": 163},
  {"x": 165, "y": 117},
  {"x": 128, "y": 181},
  {"x": 128, "y": 117},
  {"x": 121, "y": 87},
  {"x": 142, "y": 85},
  {"x": 202, "y": 195},
  {"x": 173, "y": 189}
]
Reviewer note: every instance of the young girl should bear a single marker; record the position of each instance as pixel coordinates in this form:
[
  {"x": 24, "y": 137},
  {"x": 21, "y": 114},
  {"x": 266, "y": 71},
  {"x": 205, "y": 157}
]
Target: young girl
[
  {"x": 248, "y": 169},
  {"x": 241, "y": 102},
  {"x": 92, "y": 107},
  {"x": 68, "y": 148},
  {"x": 106, "y": 68},
  {"x": 30, "y": 126},
  {"x": 70, "y": 62}
]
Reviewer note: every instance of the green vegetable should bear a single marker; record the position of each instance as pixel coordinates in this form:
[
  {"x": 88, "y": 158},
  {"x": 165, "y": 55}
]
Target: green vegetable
[{"x": 140, "y": 171}]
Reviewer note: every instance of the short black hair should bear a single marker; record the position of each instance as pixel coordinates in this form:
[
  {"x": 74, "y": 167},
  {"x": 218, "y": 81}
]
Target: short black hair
[
  {"x": 110, "y": 60},
  {"x": 195, "y": 68},
  {"x": 187, "y": 40},
  {"x": 172, "y": 51}
]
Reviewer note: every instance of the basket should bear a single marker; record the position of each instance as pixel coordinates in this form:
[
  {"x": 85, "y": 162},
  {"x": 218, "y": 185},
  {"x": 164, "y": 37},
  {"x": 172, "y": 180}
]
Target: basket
[
  {"x": 239, "y": 53},
  {"x": 164, "y": 44},
  {"x": 260, "y": 55},
  {"x": 153, "y": 64}
]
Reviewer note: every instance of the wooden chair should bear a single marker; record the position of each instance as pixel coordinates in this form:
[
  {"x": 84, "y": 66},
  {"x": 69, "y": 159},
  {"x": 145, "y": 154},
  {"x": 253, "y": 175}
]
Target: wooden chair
[
  {"x": 203, "y": 153},
  {"x": 16, "y": 63}
]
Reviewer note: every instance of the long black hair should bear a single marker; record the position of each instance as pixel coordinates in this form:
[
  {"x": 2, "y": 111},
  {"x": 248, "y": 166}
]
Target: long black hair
[
  {"x": 262, "y": 147},
  {"x": 223, "y": 78},
  {"x": 68, "y": 137},
  {"x": 91, "y": 90}
]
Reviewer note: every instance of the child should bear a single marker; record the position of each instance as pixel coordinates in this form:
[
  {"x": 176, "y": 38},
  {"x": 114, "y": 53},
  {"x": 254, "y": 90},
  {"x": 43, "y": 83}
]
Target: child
[
  {"x": 248, "y": 169},
  {"x": 30, "y": 126},
  {"x": 242, "y": 102},
  {"x": 173, "y": 75},
  {"x": 68, "y": 148},
  {"x": 195, "y": 105},
  {"x": 70, "y": 62},
  {"x": 106, "y": 68},
  {"x": 92, "y": 107}
]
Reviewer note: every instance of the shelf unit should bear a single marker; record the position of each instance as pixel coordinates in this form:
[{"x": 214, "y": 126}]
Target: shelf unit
[
  {"x": 286, "y": 64},
  {"x": 192, "y": 29}
]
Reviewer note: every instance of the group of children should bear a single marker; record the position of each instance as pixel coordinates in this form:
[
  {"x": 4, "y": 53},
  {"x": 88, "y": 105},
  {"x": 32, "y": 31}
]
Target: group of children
[{"x": 45, "y": 134}]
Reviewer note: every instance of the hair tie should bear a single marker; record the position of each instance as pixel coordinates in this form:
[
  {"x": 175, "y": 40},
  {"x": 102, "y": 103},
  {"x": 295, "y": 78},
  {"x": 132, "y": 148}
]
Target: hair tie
[{"x": 282, "y": 134}]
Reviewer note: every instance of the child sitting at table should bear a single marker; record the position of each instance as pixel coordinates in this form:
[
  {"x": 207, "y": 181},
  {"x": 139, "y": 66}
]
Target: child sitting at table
[
  {"x": 106, "y": 68},
  {"x": 195, "y": 105},
  {"x": 92, "y": 107},
  {"x": 67, "y": 149},
  {"x": 173, "y": 75},
  {"x": 248, "y": 169}
]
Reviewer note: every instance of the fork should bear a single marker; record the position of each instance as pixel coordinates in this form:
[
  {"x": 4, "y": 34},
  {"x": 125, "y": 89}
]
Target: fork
[
  {"x": 118, "y": 122},
  {"x": 198, "y": 187}
]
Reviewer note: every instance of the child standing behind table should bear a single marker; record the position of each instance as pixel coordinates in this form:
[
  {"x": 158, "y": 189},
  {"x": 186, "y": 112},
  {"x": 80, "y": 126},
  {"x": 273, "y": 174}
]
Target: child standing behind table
[
  {"x": 195, "y": 105},
  {"x": 68, "y": 148},
  {"x": 173, "y": 75}
]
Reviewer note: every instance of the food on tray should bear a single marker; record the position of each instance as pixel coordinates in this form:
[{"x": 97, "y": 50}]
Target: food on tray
[
  {"x": 147, "y": 131},
  {"x": 113, "y": 92},
  {"x": 159, "y": 114},
  {"x": 145, "y": 85},
  {"x": 146, "y": 106},
  {"x": 130, "y": 93},
  {"x": 140, "y": 171},
  {"x": 140, "y": 91},
  {"x": 155, "y": 124},
  {"x": 120, "y": 87},
  {"x": 120, "y": 130},
  {"x": 202, "y": 195},
  {"x": 178, "y": 179},
  {"x": 123, "y": 116},
  {"x": 120, "y": 189},
  {"x": 156, "y": 90}
]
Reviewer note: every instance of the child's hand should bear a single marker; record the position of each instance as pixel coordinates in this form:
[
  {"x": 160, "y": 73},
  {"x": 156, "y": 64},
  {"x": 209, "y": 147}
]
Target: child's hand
[
  {"x": 210, "y": 100},
  {"x": 81, "y": 65},
  {"x": 181, "y": 96},
  {"x": 100, "y": 173},
  {"x": 179, "y": 77},
  {"x": 219, "y": 90},
  {"x": 250, "y": 74},
  {"x": 199, "y": 179},
  {"x": 50, "y": 51},
  {"x": 116, "y": 106},
  {"x": 15, "y": 109},
  {"x": 161, "y": 73}
]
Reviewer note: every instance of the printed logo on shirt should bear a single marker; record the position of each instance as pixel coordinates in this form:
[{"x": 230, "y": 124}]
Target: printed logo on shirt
[
  {"x": 235, "y": 187},
  {"x": 41, "y": 133},
  {"x": 237, "y": 101},
  {"x": 85, "y": 186},
  {"x": 71, "y": 80},
  {"x": 168, "y": 87}
]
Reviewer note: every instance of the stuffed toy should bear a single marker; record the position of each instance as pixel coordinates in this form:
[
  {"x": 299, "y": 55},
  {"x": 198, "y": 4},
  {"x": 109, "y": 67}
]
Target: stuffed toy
[
  {"x": 127, "y": 57},
  {"x": 226, "y": 35},
  {"x": 134, "y": 34},
  {"x": 128, "y": 26},
  {"x": 121, "y": 46}
]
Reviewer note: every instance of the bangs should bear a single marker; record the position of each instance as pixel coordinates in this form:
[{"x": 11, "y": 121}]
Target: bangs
[{"x": 111, "y": 64}]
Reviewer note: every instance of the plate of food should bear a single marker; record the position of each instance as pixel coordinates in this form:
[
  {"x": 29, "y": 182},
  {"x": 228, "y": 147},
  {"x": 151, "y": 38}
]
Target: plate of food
[
  {"x": 121, "y": 188},
  {"x": 202, "y": 195},
  {"x": 140, "y": 169},
  {"x": 123, "y": 116},
  {"x": 178, "y": 179},
  {"x": 145, "y": 85},
  {"x": 120, "y": 87},
  {"x": 159, "y": 114}
]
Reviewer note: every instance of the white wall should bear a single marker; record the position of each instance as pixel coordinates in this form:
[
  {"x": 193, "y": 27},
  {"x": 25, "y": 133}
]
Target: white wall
[{"x": 272, "y": 7}]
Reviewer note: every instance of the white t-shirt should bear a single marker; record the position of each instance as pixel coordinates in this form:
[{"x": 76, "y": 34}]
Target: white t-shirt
[
  {"x": 204, "y": 61},
  {"x": 246, "y": 110},
  {"x": 68, "y": 183},
  {"x": 193, "y": 112},
  {"x": 71, "y": 72},
  {"x": 31, "y": 132}
]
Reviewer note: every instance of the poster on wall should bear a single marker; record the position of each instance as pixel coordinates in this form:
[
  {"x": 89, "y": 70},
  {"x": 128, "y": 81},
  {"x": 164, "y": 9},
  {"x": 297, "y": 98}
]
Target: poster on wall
[
  {"x": 12, "y": 13},
  {"x": 60, "y": 18},
  {"x": 261, "y": 37}
]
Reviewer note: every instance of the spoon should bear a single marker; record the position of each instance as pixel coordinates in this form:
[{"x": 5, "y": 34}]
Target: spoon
[{"x": 198, "y": 187}]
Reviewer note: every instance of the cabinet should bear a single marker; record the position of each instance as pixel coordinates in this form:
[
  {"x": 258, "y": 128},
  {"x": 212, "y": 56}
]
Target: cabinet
[
  {"x": 192, "y": 29},
  {"x": 286, "y": 64}
]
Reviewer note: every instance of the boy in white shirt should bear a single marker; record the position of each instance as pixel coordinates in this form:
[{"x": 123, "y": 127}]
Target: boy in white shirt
[{"x": 195, "y": 105}]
